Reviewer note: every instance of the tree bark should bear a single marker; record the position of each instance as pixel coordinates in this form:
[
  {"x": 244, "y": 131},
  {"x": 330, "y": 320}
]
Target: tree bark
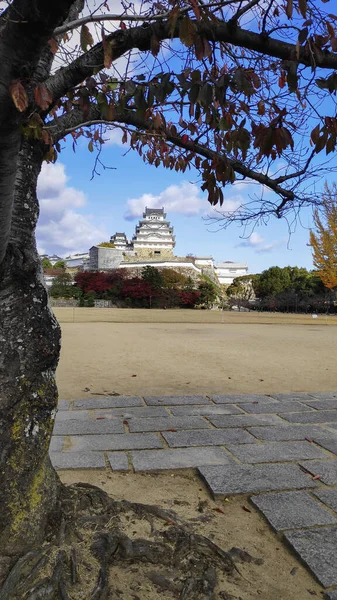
[{"x": 29, "y": 351}]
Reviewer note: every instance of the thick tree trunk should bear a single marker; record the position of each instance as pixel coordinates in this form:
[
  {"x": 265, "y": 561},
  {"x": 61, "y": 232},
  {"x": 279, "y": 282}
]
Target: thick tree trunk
[{"x": 29, "y": 351}]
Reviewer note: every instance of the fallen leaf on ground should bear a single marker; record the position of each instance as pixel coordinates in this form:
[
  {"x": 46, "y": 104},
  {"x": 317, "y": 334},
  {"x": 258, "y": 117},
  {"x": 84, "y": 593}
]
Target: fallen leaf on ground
[
  {"x": 219, "y": 510},
  {"x": 316, "y": 477},
  {"x": 246, "y": 509}
]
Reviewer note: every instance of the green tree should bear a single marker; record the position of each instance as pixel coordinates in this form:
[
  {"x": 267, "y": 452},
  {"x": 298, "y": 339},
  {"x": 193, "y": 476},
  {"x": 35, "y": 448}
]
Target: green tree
[
  {"x": 60, "y": 264},
  {"x": 208, "y": 293},
  {"x": 152, "y": 276},
  {"x": 46, "y": 264},
  {"x": 62, "y": 286},
  {"x": 324, "y": 239},
  {"x": 173, "y": 279}
]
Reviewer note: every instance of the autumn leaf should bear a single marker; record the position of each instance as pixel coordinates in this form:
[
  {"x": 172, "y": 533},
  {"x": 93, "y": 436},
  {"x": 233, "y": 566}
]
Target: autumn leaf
[
  {"x": 86, "y": 38},
  {"x": 107, "y": 46},
  {"x": 155, "y": 45},
  {"x": 43, "y": 97},
  {"x": 19, "y": 95},
  {"x": 187, "y": 31},
  {"x": 196, "y": 9},
  {"x": 302, "y": 5},
  {"x": 53, "y": 45},
  {"x": 289, "y": 9}
]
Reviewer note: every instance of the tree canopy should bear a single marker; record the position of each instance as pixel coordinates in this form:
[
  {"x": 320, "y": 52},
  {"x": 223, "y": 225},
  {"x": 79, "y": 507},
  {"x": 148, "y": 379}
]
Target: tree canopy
[
  {"x": 324, "y": 239},
  {"x": 235, "y": 89}
]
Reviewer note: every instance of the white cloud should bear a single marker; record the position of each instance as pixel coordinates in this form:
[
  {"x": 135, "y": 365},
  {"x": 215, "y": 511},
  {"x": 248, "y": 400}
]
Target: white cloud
[
  {"x": 183, "y": 198},
  {"x": 114, "y": 136},
  {"x": 61, "y": 228},
  {"x": 257, "y": 242}
]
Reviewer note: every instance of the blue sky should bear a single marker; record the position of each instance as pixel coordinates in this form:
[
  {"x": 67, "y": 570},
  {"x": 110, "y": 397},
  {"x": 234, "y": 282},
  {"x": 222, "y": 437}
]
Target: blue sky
[{"x": 77, "y": 212}]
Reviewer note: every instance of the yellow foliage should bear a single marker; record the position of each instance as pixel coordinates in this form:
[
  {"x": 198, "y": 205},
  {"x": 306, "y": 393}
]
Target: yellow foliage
[{"x": 324, "y": 240}]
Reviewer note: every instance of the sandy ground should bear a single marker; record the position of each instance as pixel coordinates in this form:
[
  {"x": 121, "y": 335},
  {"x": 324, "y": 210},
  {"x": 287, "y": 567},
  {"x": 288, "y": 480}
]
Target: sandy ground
[
  {"x": 198, "y": 352},
  {"x": 246, "y": 353},
  {"x": 228, "y": 523}
]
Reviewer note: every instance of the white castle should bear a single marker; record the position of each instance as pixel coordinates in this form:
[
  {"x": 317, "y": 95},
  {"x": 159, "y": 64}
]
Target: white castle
[{"x": 153, "y": 244}]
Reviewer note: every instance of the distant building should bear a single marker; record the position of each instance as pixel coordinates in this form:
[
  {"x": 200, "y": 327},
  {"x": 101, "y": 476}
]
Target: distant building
[
  {"x": 152, "y": 244},
  {"x": 228, "y": 270}
]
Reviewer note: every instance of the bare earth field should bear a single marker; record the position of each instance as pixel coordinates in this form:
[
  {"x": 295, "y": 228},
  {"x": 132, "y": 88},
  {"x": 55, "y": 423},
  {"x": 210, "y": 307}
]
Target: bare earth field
[
  {"x": 140, "y": 352},
  {"x": 151, "y": 352}
]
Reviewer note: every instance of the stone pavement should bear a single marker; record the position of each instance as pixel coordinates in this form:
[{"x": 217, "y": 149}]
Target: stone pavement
[{"x": 280, "y": 450}]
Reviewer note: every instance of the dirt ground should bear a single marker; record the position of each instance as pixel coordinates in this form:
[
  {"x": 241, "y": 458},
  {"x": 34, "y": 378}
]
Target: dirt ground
[
  {"x": 228, "y": 523},
  {"x": 166, "y": 352},
  {"x": 197, "y": 352}
]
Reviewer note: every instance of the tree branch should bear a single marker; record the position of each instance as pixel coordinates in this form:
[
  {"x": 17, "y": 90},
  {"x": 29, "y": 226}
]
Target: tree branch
[
  {"x": 62, "y": 126},
  {"x": 140, "y": 37}
]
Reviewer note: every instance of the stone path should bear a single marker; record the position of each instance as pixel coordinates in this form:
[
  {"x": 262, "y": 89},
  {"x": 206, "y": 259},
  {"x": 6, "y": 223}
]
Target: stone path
[{"x": 280, "y": 450}]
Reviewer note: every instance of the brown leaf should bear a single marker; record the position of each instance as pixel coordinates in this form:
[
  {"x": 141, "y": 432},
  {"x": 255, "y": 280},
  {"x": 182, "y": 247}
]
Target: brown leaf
[
  {"x": 155, "y": 45},
  {"x": 111, "y": 111},
  {"x": 302, "y": 5},
  {"x": 107, "y": 46},
  {"x": 187, "y": 31},
  {"x": 171, "y": 429},
  {"x": 289, "y": 9},
  {"x": 19, "y": 95},
  {"x": 86, "y": 38},
  {"x": 133, "y": 375},
  {"x": 100, "y": 418},
  {"x": 316, "y": 477},
  {"x": 126, "y": 422},
  {"x": 53, "y": 45},
  {"x": 218, "y": 510},
  {"x": 246, "y": 509},
  {"x": 43, "y": 97}
]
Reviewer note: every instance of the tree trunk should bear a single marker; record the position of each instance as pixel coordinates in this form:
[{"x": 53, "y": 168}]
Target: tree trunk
[{"x": 29, "y": 352}]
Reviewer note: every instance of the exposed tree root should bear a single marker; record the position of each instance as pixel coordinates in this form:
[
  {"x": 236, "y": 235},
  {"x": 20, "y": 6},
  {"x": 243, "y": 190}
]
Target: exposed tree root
[{"x": 94, "y": 542}]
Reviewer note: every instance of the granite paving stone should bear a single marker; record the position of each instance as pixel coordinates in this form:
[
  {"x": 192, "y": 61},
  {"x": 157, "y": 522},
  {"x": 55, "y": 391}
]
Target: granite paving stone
[
  {"x": 324, "y": 395},
  {"x": 178, "y": 458},
  {"x": 327, "y": 470},
  {"x": 245, "y": 398},
  {"x": 81, "y": 427},
  {"x": 316, "y": 416},
  {"x": 292, "y": 510},
  {"x": 144, "y": 412},
  {"x": 317, "y": 547},
  {"x": 56, "y": 444},
  {"x": 175, "y": 400},
  {"x": 71, "y": 415},
  {"x": 237, "y": 479},
  {"x": 126, "y": 441},
  {"x": 78, "y": 460},
  {"x": 222, "y": 421},
  {"x": 277, "y": 407},
  {"x": 103, "y": 402},
  {"x": 165, "y": 423},
  {"x": 327, "y": 443},
  {"x": 118, "y": 461},
  {"x": 63, "y": 404},
  {"x": 330, "y": 595},
  {"x": 322, "y": 404},
  {"x": 290, "y": 432},
  {"x": 276, "y": 452},
  {"x": 328, "y": 497},
  {"x": 214, "y": 437},
  {"x": 219, "y": 409},
  {"x": 301, "y": 396}
]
